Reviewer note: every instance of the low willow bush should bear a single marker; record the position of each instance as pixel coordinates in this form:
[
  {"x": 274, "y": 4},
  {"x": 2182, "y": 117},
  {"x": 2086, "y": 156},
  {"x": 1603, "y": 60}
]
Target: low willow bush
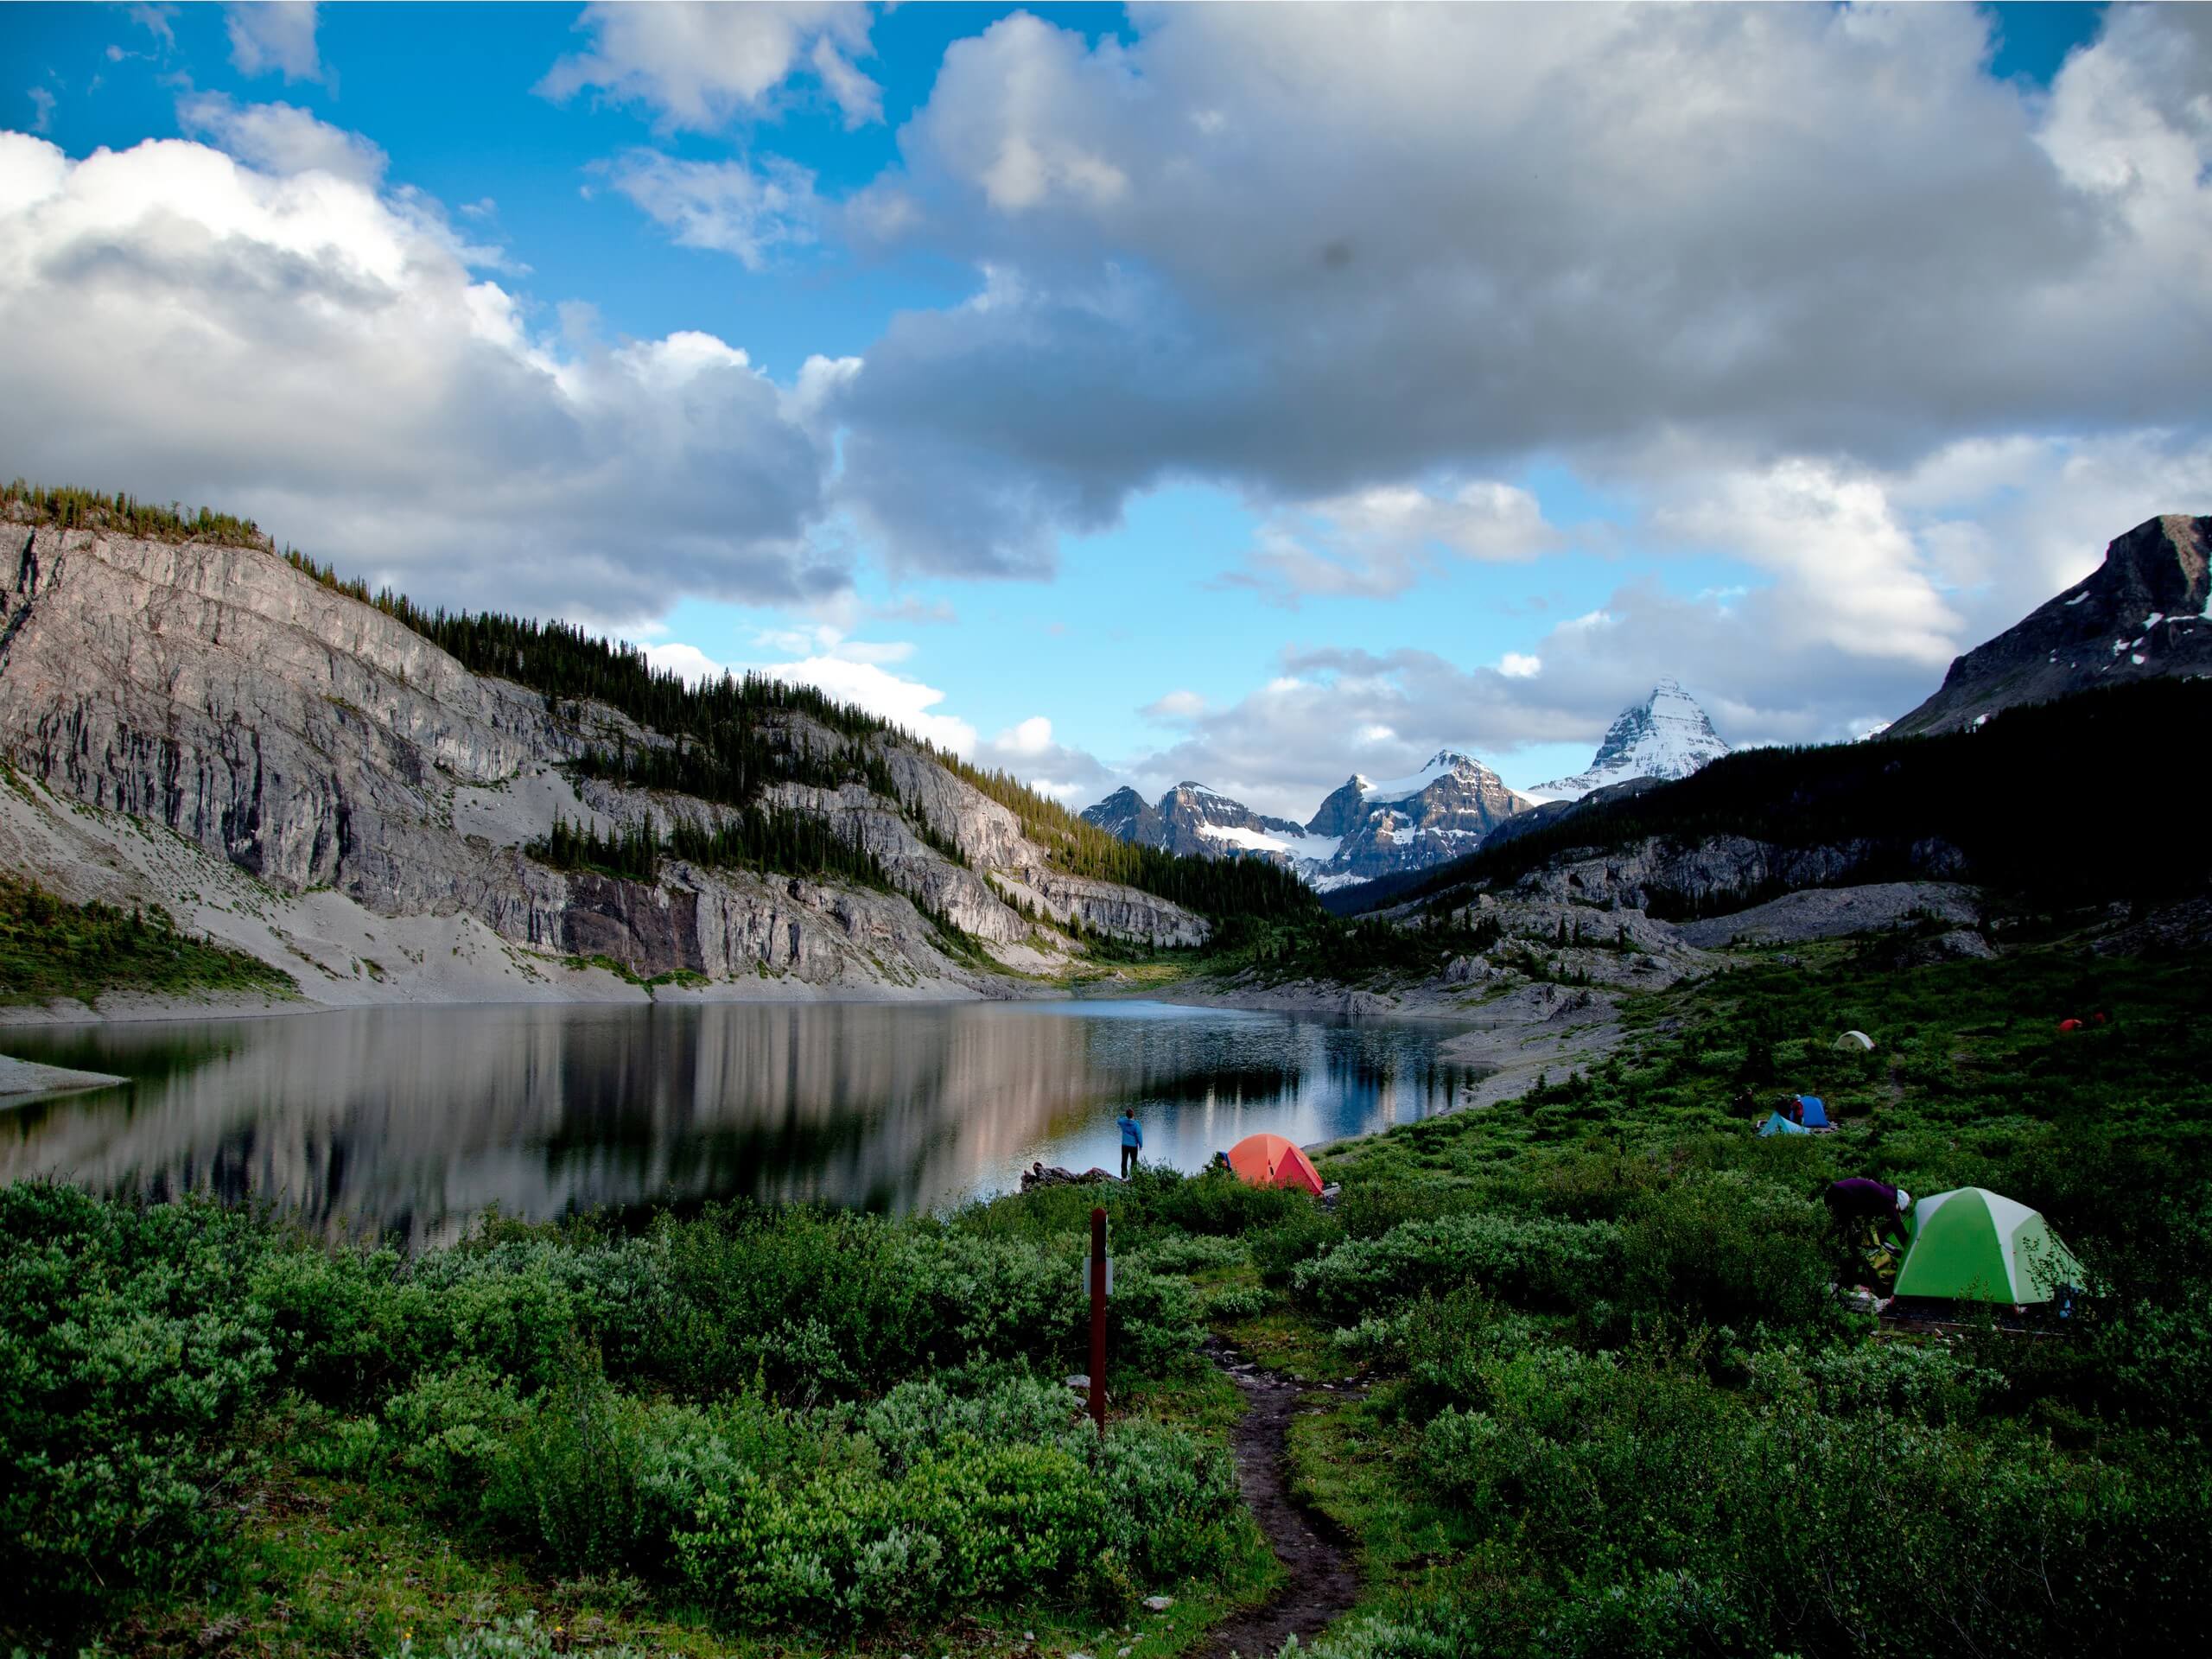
[
  {"x": 128, "y": 1354},
  {"x": 1727, "y": 1247},
  {"x": 810, "y": 1304},
  {"x": 639, "y": 1403},
  {"x": 1528, "y": 1258},
  {"x": 960, "y": 1520},
  {"x": 1820, "y": 1519}
]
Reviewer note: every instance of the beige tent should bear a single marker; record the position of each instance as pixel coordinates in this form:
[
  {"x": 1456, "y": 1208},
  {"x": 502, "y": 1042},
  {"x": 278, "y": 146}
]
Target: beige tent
[{"x": 1858, "y": 1039}]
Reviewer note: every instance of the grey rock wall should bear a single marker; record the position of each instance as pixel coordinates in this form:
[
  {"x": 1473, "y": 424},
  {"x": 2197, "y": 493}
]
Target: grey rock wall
[{"x": 315, "y": 743}]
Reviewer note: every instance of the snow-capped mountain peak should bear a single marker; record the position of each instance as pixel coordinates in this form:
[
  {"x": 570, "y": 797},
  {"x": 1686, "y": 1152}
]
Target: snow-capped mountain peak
[
  {"x": 1361, "y": 830},
  {"x": 1666, "y": 736},
  {"x": 1397, "y": 788}
]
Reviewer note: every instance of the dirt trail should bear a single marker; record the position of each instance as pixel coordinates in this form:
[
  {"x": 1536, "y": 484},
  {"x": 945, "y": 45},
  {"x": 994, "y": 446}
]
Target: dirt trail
[{"x": 1324, "y": 1583}]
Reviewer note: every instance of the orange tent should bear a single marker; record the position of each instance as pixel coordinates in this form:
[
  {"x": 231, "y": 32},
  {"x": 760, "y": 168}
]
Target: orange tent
[{"x": 1270, "y": 1161}]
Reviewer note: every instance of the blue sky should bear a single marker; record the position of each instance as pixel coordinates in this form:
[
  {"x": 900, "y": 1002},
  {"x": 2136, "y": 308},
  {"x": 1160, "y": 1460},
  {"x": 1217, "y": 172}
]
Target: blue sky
[{"x": 1254, "y": 395}]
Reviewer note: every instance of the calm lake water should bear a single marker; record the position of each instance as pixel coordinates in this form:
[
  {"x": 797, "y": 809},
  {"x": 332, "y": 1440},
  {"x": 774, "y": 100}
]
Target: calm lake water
[{"x": 417, "y": 1119}]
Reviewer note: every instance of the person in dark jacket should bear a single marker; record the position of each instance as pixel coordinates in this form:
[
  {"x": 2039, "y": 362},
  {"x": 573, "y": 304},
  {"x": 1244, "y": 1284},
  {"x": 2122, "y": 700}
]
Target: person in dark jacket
[
  {"x": 1870, "y": 1218},
  {"x": 1859, "y": 1197},
  {"x": 1132, "y": 1140}
]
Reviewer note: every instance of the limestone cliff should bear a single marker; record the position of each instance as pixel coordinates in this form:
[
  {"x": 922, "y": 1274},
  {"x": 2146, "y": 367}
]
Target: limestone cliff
[{"x": 321, "y": 751}]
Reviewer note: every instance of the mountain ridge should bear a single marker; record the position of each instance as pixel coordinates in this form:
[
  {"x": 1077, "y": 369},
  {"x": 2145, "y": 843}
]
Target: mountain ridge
[
  {"x": 2145, "y": 612},
  {"x": 1362, "y": 829},
  {"x": 333, "y": 792}
]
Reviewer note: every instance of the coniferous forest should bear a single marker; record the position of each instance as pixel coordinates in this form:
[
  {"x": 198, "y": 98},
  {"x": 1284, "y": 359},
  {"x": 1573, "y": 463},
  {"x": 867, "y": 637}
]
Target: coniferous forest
[
  {"x": 729, "y": 738},
  {"x": 724, "y": 741}
]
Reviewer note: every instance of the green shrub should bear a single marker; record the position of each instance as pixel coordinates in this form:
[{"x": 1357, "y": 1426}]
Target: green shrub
[
  {"x": 1448, "y": 1344},
  {"x": 1524, "y": 1259},
  {"x": 339, "y": 1320},
  {"x": 1190, "y": 1253},
  {"x": 1235, "y": 1302},
  {"x": 324, "y": 1443},
  {"x": 456, "y": 1430},
  {"x": 1726, "y": 1248},
  {"x": 916, "y": 1420},
  {"x": 1924, "y": 1383},
  {"x": 1437, "y": 1631},
  {"x": 942, "y": 1517},
  {"x": 1369, "y": 1209},
  {"x": 129, "y": 1352},
  {"x": 1599, "y": 1181},
  {"x": 1805, "y": 1529},
  {"x": 850, "y": 1546},
  {"x": 578, "y": 1478},
  {"x": 1167, "y": 1500},
  {"x": 1217, "y": 1202},
  {"x": 1280, "y": 1249}
]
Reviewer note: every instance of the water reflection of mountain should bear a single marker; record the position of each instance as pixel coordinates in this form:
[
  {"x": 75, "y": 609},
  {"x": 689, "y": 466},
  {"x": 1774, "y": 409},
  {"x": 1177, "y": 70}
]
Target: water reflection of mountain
[{"x": 416, "y": 1119}]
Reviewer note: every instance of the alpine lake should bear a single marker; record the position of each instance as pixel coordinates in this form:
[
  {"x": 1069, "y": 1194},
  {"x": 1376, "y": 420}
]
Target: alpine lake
[{"x": 416, "y": 1121}]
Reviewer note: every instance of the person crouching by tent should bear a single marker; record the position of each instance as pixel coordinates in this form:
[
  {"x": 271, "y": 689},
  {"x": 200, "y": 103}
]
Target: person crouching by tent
[
  {"x": 1870, "y": 1217},
  {"x": 1132, "y": 1140}
]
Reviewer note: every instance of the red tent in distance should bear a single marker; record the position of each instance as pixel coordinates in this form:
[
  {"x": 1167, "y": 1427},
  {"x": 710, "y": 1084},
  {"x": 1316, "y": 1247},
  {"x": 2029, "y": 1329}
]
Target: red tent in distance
[{"x": 1270, "y": 1161}]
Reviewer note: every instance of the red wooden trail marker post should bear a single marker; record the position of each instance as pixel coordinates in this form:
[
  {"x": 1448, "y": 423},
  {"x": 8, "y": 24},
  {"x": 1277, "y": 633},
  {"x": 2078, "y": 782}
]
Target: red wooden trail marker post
[{"x": 1097, "y": 1276}]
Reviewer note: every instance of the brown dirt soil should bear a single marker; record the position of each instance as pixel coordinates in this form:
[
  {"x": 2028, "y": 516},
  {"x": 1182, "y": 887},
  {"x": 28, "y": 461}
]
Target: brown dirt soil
[{"x": 1323, "y": 1581}]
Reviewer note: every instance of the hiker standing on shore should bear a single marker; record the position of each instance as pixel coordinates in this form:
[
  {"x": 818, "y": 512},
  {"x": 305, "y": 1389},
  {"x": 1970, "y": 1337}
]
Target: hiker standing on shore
[{"x": 1131, "y": 1140}]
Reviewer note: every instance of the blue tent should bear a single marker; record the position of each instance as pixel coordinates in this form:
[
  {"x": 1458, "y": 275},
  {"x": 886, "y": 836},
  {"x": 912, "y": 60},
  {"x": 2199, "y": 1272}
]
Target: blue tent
[
  {"x": 1778, "y": 1124},
  {"x": 1815, "y": 1111}
]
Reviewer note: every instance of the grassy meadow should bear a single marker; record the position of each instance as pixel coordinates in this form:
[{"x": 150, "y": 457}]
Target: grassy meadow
[{"x": 1589, "y": 1390}]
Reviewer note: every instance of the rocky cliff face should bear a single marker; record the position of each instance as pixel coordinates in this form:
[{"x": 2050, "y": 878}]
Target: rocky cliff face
[
  {"x": 2143, "y": 611},
  {"x": 1342, "y": 811},
  {"x": 1721, "y": 874},
  {"x": 1126, "y": 815},
  {"x": 1442, "y": 812},
  {"x": 1196, "y": 821},
  {"x": 315, "y": 744}
]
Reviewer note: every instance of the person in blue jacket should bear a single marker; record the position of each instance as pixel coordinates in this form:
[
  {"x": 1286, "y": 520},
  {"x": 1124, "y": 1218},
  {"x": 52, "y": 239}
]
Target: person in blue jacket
[{"x": 1131, "y": 1140}]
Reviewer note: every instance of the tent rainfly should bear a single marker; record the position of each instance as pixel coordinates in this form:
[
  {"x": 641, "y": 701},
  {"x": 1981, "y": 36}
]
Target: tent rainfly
[
  {"x": 1858, "y": 1039},
  {"x": 1971, "y": 1245},
  {"x": 1270, "y": 1161},
  {"x": 1778, "y": 1124}
]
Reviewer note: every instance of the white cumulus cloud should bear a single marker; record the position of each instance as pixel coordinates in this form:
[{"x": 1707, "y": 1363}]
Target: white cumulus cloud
[
  {"x": 727, "y": 205},
  {"x": 1311, "y": 253},
  {"x": 325, "y": 356},
  {"x": 904, "y": 702},
  {"x": 265, "y": 35},
  {"x": 279, "y": 138},
  {"x": 701, "y": 66}
]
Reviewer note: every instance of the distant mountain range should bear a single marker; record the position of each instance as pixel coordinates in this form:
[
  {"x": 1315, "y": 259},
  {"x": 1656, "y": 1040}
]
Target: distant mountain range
[
  {"x": 1366, "y": 830},
  {"x": 2139, "y": 615}
]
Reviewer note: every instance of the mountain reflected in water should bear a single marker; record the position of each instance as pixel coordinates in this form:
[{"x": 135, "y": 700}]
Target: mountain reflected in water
[{"x": 417, "y": 1120}]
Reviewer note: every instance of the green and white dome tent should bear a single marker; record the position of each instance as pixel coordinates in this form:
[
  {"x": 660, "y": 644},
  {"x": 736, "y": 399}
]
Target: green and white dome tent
[{"x": 1971, "y": 1245}]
